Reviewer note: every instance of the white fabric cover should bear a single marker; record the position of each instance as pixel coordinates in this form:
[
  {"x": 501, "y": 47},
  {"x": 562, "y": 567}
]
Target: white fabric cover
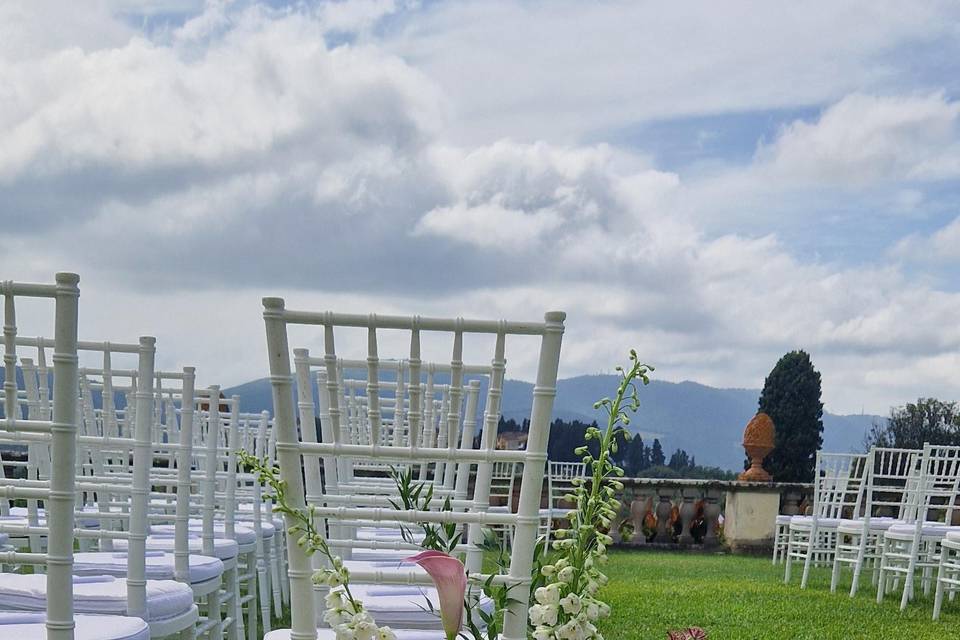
[
  {"x": 783, "y": 519},
  {"x": 807, "y": 521},
  {"x": 243, "y": 534},
  {"x": 21, "y": 512},
  {"x": 265, "y": 512},
  {"x": 328, "y": 634},
  {"x": 876, "y": 524},
  {"x": 403, "y": 606},
  {"x": 159, "y": 565},
  {"x": 105, "y": 595},
  {"x": 32, "y": 626},
  {"x": 381, "y": 555},
  {"x": 383, "y": 565},
  {"x": 932, "y": 529},
  {"x": 369, "y": 533},
  {"x": 222, "y": 548}
]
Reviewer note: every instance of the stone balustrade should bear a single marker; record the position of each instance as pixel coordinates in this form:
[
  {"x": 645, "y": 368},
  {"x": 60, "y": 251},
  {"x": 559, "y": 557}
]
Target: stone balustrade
[{"x": 704, "y": 513}]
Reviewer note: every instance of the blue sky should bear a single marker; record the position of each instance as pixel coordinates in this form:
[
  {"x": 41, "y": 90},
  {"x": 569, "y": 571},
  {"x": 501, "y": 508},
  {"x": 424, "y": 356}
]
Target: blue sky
[{"x": 713, "y": 185}]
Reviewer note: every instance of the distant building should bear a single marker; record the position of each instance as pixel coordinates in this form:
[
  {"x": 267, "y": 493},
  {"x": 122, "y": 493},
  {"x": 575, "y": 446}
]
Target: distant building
[{"x": 512, "y": 440}]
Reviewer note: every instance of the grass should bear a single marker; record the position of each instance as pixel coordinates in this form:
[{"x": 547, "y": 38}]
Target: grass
[{"x": 736, "y": 597}]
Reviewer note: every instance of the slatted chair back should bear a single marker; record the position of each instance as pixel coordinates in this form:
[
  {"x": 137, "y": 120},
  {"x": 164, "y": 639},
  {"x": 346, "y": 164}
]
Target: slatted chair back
[
  {"x": 939, "y": 485},
  {"x": 502, "y": 480},
  {"x": 893, "y": 479},
  {"x": 134, "y": 483},
  {"x": 295, "y": 454},
  {"x": 59, "y": 430},
  {"x": 840, "y": 481}
]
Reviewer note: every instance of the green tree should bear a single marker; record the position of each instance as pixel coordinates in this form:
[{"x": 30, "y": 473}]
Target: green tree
[
  {"x": 791, "y": 397},
  {"x": 635, "y": 460},
  {"x": 657, "y": 459},
  {"x": 910, "y": 426}
]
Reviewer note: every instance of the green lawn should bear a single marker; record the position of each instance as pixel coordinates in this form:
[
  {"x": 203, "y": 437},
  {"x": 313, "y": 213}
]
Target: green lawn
[{"x": 734, "y": 597}]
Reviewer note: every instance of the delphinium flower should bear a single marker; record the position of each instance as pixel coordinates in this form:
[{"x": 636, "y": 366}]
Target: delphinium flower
[{"x": 566, "y": 607}]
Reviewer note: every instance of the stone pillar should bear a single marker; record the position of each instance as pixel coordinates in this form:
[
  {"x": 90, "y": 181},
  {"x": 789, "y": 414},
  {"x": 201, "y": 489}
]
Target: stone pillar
[
  {"x": 664, "y": 509},
  {"x": 687, "y": 511},
  {"x": 638, "y": 513},
  {"x": 750, "y": 519},
  {"x": 711, "y": 513}
]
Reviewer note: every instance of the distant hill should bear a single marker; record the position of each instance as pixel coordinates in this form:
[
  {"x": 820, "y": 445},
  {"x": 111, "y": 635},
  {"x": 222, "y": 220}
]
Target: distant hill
[{"x": 705, "y": 421}]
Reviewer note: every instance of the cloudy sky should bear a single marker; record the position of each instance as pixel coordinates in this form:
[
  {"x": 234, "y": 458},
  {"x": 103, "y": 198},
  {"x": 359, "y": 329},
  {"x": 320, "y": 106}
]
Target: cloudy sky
[{"x": 711, "y": 183}]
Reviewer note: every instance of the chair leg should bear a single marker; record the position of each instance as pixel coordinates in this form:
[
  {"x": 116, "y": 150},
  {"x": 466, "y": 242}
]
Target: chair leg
[
  {"x": 858, "y": 565},
  {"x": 811, "y": 544},
  {"x": 789, "y": 559},
  {"x": 263, "y": 590},
  {"x": 275, "y": 578},
  {"x": 941, "y": 574},
  {"x": 908, "y": 580},
  {"x": 214, "y": 613},
  {"x": 881, "y": 574}
]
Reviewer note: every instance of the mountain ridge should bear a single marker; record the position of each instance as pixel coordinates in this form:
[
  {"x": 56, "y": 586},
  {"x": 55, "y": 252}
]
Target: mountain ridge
[{"x": 705, "y": 421}]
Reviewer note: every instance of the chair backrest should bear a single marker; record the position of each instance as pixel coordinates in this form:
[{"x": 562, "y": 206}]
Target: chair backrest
[
  {"x": 561, "y": 478},
  {"x": 502, "y": 478},
  {"x": 839, "y": 484},
  {"x": 893, "y": 479},
  {"x": 293, "y": 454},
  {"x": 939, "y": 484},
  {"x": 60, "y": 430}
]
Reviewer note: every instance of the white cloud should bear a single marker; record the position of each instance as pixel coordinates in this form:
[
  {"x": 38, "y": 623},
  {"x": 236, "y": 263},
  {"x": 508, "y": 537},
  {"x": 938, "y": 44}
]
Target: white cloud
[
  {"x": 862, "y": 140},
  {"x": 185, "y": 176},
  {"x": 564, "y": 70}
]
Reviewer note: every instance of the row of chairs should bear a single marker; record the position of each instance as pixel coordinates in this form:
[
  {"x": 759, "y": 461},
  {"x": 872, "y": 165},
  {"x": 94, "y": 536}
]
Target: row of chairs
[
  {"x": 139, "y": 469},
  {"x": 174, "y": 538},
  {"x": 889, "y": 512}
]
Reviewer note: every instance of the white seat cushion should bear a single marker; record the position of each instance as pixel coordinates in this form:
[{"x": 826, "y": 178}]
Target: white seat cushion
[
  {"x": 369, "y": 533},
  {"x": 265, "y": 512},
  {"x": 404, "y": 606},
  {"x": 381, "y": 555},
  {"x": 805, "y": 522},
  {"x": 105, "y": 595},
  {"x": 92, "y": 523},
  {"x": 159, "y": 565},
  {"x": 31, "y": 626},
  {"x": 243, "y": 534},
  {"x": 328, "y": 634},
  {"x": 930, "y": 529},
  {"x": 783, "y": 519},
  {"x": 222, "y": 548},
  {"x": 953, "y": 536},
  {"x": 383, "y": 565},
  {"x": 876, "y": 524}
]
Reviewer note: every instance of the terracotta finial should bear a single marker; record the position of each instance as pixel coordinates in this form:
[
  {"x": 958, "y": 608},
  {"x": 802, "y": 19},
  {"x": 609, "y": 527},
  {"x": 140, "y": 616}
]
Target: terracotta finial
[{"x": 758, "y": 441}]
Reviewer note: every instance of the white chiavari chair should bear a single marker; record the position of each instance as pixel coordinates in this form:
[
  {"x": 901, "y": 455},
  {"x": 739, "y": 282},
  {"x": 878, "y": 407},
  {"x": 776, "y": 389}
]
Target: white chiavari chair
[
  {"x": 181, "y": 561},
  {"x": 294, "y": 454},
  {"x": 839, "y": 485},
  {"x": 891, "y": 476},
  {"x": 561, "y": 479},
  {"x": 928, "y": 515},
  {"x": 166, "y": 605},
  {"x": 502, "y": 481},
  {"x": 53, "y": 436}
]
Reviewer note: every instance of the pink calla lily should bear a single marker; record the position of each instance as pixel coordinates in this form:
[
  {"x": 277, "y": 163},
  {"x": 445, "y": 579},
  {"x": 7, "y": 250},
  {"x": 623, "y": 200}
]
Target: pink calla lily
[{"x": 451, "y": 581}]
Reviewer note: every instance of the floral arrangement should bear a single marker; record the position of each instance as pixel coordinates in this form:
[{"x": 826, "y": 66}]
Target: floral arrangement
[
  {"x": 564, "y": 591},
  {"x": 567, "y": 607}
]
